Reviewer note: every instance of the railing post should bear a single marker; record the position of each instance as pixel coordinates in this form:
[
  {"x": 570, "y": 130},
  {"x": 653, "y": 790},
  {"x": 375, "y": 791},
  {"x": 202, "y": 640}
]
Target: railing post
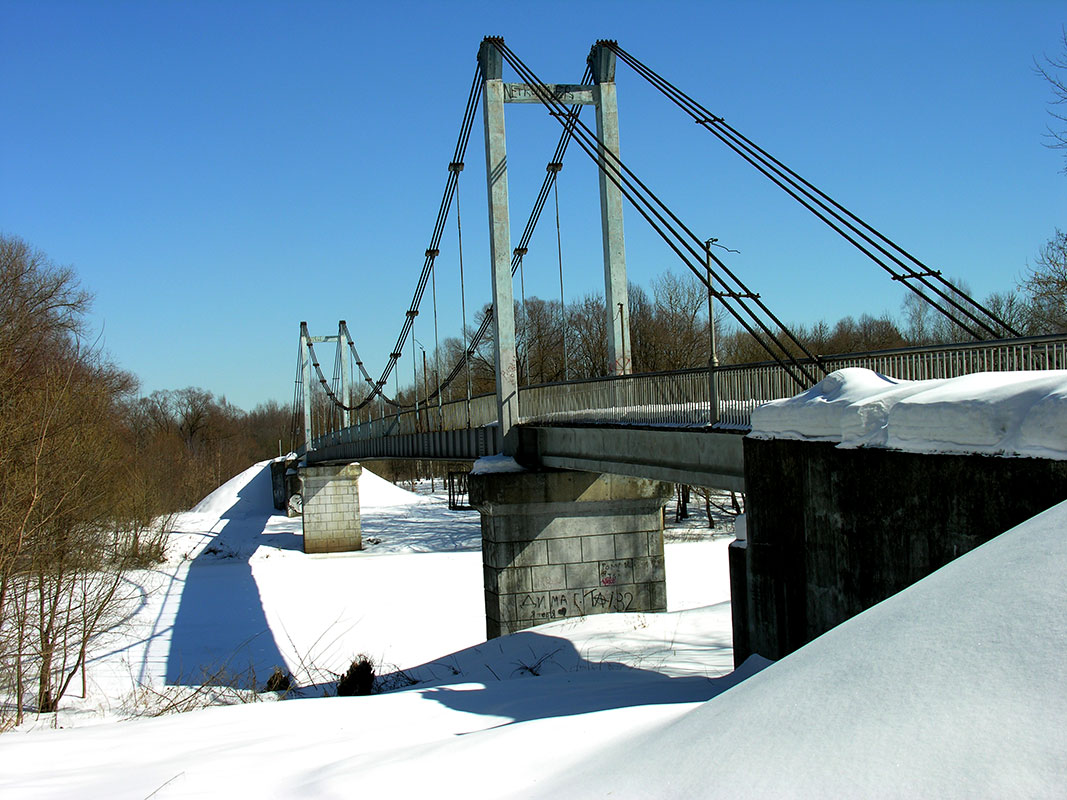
[{"x": 713, "y": 356}]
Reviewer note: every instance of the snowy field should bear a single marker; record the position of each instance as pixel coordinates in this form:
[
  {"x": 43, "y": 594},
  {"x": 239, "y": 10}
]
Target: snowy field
[
  {"x": 237, "y": 597},
  {"x": 952, "y": 688}
]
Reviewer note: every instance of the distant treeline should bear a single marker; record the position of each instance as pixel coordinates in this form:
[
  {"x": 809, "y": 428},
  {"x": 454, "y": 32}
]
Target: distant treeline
[{"x": 669, "y": 330}]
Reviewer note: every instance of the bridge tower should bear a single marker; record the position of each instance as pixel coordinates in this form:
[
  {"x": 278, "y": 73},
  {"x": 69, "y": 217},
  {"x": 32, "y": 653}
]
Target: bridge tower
[{"x": 602, "y": 95}]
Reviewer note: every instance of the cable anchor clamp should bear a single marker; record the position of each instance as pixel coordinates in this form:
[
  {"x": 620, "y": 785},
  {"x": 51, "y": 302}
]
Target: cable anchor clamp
[{"x": 930, "y": 273}]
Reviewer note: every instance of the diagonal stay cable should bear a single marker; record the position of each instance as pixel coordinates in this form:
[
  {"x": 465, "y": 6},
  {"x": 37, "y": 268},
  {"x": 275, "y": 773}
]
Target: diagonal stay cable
[
  {"x": 795, "y": 185},
  {"x": 708, "y": 120},
  {"x": 678, "y": 236},
  {"x": 614, "y": 169}
]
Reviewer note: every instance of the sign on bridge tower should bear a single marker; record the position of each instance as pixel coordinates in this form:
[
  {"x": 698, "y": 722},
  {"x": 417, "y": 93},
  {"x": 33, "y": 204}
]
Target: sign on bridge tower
[{"x": 601, "y": 95}]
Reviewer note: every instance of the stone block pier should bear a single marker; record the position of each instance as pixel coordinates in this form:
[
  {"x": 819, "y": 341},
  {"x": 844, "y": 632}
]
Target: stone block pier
[
  {"x": 559, "y": 544},
  {"x": 331, "y": 508}
]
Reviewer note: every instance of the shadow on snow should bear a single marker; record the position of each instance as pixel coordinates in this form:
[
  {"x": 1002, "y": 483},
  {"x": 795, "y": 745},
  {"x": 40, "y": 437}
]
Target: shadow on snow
[
  {"x": 220, "y": 632},
  {"x": 531, "y": 675}
]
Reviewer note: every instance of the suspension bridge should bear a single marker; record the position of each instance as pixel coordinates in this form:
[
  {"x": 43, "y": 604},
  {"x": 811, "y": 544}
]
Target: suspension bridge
[
  {"x": 679, "y": 425},
  {"x": 580, "y": 529}
]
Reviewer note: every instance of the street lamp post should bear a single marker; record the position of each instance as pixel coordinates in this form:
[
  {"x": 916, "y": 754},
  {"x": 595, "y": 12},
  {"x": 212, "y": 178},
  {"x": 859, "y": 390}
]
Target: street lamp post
[{"x": 713, "y": 358}]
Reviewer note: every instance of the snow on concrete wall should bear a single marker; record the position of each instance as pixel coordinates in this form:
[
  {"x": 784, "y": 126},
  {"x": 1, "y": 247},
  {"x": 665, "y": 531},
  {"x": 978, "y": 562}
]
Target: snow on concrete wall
[{"x": 996, "y": 413}]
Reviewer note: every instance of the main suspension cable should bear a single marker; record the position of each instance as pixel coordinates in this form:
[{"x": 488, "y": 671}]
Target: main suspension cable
[
  {"x": 362, "y": 369},
  {"x": 523, "y": 247},
  {"x": 555, "y": 167},
  {"x": 433, "y": 250}
]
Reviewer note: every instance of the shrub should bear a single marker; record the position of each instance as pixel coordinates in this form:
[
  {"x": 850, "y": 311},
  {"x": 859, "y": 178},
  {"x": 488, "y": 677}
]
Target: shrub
[
  {"x": 279, "y": 681},
  {"x": 358, "y": 679}
]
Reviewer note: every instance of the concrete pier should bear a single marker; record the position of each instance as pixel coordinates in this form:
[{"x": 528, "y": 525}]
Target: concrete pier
[
  {"x": 331, "y": 508},
  {"x": 558, "y": 544}
]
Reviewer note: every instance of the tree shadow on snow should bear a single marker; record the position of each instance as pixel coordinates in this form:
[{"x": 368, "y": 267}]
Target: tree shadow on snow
[
  {"x": 531, "y": 675},
  {"x": 220, "y": 633}
]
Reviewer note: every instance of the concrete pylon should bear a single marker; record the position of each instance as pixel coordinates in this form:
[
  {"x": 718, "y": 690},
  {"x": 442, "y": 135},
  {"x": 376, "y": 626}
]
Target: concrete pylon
[
  {"x": 495, "y": 93},
  {"x": 616, "y": 293},
  {"x": 496, "y": 170}
]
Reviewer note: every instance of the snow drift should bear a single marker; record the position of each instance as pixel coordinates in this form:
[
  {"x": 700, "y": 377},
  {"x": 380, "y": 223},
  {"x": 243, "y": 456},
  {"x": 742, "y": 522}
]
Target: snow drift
[
  {"x": 997, "y": 413},
  {"x": 952, "y": 688}
]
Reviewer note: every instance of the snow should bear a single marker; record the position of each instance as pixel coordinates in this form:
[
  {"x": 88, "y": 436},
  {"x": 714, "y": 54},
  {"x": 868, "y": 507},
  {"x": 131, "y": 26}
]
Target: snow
[
  {"x": 952, "y": 688},
  {"x": 237, "y": 596},
  {"x": 996, "y": 413},
  {"x": 491, "y": 464}
]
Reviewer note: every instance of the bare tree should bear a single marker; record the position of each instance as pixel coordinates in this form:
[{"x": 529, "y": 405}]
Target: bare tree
[
  {"x": 1052, "y": 69},
  {"x": 1046, "y": 286},
  {"x": 587, "y": 337},
  {"x": 677, "y": 337},
  {"x": 64, "y": 521},
  {"x": 1011, "y": 307}
]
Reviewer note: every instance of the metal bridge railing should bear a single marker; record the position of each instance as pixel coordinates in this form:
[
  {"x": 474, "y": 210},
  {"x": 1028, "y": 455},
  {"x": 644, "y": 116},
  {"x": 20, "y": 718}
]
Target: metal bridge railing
[
  {"x": 452, "y": 417},
  {"x": 682, "y": 398}
]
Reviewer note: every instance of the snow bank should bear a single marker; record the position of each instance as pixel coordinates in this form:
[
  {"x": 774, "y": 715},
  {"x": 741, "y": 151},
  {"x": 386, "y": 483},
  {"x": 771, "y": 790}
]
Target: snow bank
[
  {"x": 247, "y": 493},
  {"x": 999, "y": 413},
  {"x": 691, "y": 643},
  {"x": 953, "y": 688},
  {"x": 250, "y": 492},
  {"x": 377, "y": 492}
]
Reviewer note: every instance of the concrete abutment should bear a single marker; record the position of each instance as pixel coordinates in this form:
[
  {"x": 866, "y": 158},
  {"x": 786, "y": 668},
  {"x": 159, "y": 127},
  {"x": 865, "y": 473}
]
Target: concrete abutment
[
  {"x": 559, "y": 544},
  {"x": 832, "y": 531}
]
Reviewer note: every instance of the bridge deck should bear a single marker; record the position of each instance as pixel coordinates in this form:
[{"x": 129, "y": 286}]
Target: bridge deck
[{"x": 652, "y": 425}]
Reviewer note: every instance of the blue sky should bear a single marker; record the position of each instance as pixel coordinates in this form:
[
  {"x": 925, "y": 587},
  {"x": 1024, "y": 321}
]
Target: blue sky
[{"x": 218, "y": 171}]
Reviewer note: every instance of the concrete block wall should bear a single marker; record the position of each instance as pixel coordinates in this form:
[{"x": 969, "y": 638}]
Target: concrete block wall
[
  {"x": 561, "y": 544},
  {"x": 331, "y": 508}
]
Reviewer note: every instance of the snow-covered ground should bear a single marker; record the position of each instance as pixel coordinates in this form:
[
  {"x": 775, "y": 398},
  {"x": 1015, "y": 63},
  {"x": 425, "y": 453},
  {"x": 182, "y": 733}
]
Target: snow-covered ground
[
  {"x": 952, "y": 688},
  {"x": 237, "y": 597}
]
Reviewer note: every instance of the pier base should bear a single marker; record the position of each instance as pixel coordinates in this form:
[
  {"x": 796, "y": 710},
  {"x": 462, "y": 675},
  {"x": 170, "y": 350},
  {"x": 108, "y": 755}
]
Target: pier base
[
  {"x": 331, "y": 508},
  {"x": 559, "y": 544}
]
